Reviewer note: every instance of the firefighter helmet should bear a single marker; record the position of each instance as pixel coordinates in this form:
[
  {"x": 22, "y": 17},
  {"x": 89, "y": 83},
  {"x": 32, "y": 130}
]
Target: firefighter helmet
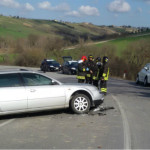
[
  {"x": 105, "y": 59},
  {"x": 98, "y": 59},
  {"x": 90, "y": 56},
  {"x": 83, "y": 58}
]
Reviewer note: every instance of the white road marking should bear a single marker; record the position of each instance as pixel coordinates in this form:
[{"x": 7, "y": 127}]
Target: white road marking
[
  {"x": 6, "y": 122},
  {"x": 127, "y": 135}
]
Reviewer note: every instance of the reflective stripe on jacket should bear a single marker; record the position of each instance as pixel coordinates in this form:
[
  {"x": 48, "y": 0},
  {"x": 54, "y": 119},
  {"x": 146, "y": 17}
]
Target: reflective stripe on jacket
[
  {"x": 88, "y": 75},
  {"x": 81, "y": 77},
  {"x": 105, "y": 75}
]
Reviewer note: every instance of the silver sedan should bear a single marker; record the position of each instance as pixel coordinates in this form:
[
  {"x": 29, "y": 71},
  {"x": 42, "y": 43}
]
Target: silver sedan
[
  {"x": 144, "y": 75},
  {"x": 26, "y": 91}
]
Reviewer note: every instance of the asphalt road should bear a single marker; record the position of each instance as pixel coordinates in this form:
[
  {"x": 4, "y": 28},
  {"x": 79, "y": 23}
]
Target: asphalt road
[{"x": 125, "y": 127}]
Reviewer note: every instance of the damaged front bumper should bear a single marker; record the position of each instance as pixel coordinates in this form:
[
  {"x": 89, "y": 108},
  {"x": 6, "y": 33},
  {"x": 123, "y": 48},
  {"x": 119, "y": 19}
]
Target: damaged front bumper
[{"x": 96, "y": 103}]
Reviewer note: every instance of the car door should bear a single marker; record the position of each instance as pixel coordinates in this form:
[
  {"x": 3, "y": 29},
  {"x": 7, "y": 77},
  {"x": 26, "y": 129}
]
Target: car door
[
  {"x": 42, "y": 93},
  {"x": 13, "y": 96}
]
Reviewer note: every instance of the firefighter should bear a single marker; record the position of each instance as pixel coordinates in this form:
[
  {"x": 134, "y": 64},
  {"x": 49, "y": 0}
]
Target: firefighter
[
  {"x": 81, "y": 69},
  {"x": 89, "y": 69},
  {"x": 97, "y": 71},
  {"x": 105, "y": 74}
]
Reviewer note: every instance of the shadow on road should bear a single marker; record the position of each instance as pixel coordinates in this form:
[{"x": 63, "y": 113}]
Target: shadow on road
[
  {"x": 54, "y": 113},
  {"x": 117, "y": 86}
]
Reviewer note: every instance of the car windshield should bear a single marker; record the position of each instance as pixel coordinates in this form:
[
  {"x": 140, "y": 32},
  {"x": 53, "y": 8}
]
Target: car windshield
[
  {"x": 52, "y": 63},
  {"x": 74, "y": 64},
  {"x": 148, "y": 66}
]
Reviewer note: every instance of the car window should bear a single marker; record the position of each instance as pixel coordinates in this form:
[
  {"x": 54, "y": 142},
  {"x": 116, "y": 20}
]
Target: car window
[
  {"x": 10, "y": 80},
  {"x": 74, "y": 64},
  {"x": 148, "y": 66},
  {"x": 49, "y": 62},
  {"x": 32, "y": 79},
  {"x": 55, "y": 63},
  {"x": 66, "y": 63}
]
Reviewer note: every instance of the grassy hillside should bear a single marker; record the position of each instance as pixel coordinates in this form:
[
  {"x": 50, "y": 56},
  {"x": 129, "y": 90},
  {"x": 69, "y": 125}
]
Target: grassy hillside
[{"x": 18, "y": 27}]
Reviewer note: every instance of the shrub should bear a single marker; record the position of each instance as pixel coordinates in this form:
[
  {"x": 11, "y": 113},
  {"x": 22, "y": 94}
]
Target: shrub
[{"x": 30, "y": 57}]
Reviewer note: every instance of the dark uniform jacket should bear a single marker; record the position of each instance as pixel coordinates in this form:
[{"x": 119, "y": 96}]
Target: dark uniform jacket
[
  {"x": 105, "y": 71},
  {"x": 90, "y": 66},
  {"x": 81, "y": 70},
  {"x": 97, "y": 71}
]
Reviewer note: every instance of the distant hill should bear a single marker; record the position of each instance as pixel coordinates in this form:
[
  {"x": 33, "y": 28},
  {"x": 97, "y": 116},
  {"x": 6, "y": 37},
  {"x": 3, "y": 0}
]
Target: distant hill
[{"x": 20, "y": 28}]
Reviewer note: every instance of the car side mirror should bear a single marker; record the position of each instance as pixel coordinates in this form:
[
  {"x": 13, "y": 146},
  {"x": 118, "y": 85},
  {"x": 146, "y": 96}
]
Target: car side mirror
[
  {"x": 146, "y": 68},
  {"x": 54, "y": 82}
]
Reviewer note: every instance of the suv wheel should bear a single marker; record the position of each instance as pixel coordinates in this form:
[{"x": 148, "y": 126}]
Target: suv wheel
[{"x": 80, "y": 104}]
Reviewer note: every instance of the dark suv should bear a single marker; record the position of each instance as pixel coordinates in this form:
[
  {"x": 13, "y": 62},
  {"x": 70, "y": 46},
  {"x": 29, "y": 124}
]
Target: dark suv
[
  {"x": 51, "y": 65},
  {"x": 70, "y": 67}
]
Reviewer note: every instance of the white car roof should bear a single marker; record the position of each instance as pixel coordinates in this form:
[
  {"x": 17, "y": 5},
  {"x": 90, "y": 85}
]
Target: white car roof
[
  {"x": 50, "y": 60},
  {"x": 71, "y": 61}
]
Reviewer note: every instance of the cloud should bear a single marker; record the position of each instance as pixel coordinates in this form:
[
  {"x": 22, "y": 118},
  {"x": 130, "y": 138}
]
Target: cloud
[
  {"x": 88, "y": 11},
  {"x": 47, "y": 6},
  {"x": 14, "y": 4},
  {"x": 29, "y": 7},
  {"x": 9, "y": 3},
  {"x": 44, "y": 5},
  {"x": 73, "y": 13},
  {"x": 119, "y": 6},
  {"x": 84, "y": 11}
]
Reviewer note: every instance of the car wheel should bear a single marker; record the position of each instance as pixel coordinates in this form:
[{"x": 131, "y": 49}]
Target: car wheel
[
  {"x": 145, "y": 81},
  {"x": 80, "y": 104},
  {"x": 137, "y": 80}
]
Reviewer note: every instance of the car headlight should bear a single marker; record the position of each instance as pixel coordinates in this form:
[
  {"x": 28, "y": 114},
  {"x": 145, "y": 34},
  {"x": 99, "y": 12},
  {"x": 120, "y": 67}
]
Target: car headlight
[{"x": 51, "y": 66}]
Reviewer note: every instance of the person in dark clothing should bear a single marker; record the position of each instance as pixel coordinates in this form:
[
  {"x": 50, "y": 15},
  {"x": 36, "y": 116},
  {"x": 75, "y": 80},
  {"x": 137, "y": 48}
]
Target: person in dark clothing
[
  {"x": 81, "y": 70},
  {"x": 105, "y": 74},
  {"x": 44, "y": 63},
  {"x": 97, "y": 71},
  {"x": 89, "y": 69}
]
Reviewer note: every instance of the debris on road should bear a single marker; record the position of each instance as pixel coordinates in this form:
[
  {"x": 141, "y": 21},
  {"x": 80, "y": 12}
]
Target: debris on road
[{"x": 100, "y": 110}]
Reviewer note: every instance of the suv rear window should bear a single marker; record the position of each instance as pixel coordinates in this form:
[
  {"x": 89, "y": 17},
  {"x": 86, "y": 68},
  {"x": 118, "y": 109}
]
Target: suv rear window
[{"x": 10, "y": 80}]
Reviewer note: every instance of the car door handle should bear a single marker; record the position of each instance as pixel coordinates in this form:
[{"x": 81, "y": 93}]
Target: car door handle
[{"x": 32, "y": 90}]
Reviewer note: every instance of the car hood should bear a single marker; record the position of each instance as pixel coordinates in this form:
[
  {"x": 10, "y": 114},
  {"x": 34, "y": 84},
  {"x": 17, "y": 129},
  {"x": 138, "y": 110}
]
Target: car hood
[{"x": 80, "y": 86}]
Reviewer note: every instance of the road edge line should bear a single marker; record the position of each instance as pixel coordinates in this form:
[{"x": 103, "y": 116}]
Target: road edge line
[
  {"x": 6, "y": 122},
  {"x": 127, "y": 135}
]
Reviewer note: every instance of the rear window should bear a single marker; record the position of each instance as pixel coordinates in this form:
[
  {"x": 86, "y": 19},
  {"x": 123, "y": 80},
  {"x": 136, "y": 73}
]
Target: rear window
[{"x": 10, "y": 80}]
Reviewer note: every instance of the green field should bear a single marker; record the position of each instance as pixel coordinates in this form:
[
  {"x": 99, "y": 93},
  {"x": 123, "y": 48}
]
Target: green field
[{"x": 122, "y": 43}]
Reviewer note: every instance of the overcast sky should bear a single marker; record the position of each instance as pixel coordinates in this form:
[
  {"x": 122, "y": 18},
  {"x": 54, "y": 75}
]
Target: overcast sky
[{"x": 99, "y": 12}]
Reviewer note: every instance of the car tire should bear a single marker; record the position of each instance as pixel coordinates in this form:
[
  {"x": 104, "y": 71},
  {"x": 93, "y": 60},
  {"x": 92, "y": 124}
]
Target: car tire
[
  {"x": 80, "y": 104},
  {"x": 137, "y": 80},
  {"x": 145, "y": 81}
]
